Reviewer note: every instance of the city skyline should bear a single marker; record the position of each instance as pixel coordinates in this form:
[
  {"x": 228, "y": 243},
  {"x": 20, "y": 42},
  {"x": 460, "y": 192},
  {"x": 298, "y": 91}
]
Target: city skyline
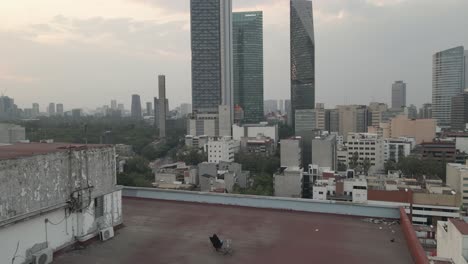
[{"x": 347, "y": 34}]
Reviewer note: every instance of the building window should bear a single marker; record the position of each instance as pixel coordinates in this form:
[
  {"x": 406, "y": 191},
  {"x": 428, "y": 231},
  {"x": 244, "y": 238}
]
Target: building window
[{"x": 98, "y": 206}]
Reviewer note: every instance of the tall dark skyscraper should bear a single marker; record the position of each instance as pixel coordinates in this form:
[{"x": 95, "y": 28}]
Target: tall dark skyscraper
[
  {"x": 302, "y": 56},
  {"x": 211, "y": 36},
  {"x": 136, "y": 106},
  {"x": 398, "y": 95},
  {"x": 459, "y": 112},
  {"x": 247, "y": 31}
]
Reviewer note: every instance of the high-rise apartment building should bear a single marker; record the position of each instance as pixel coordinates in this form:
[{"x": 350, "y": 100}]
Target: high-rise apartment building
[
  {"x": 448, "y": 80},
  {"x": 459, "y": 115},
  {"x": 311, "y": 119},
  {"x": 136, "y": 106},
  {"x": 114, "y": 104},
  {"x": 332, "y": 120},
  {"x": 376, "y": 113},
  {"x": 425, "y": 112},
  {"x": 211, "y": 41},
  {"x": 149, "y": 108},
  {"x": 59, "y": 109},
  {"x": 35, "y": 110},
  {"x": 162, "y": 106},
  {"x": 302, "y": 56},
  {"x": 247, "y": 35},
  {"x": 398, "y": 95},
  {"x": 51, "y": 109}
]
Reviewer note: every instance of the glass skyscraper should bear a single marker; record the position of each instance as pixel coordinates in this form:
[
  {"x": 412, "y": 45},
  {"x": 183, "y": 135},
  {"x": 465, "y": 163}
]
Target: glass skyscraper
[
  {"x": 247, "y": 31},
  {"x": 448, "y": 80},
  {"x": 211, "y": 40},
  {"x": 302, "y": 56}
]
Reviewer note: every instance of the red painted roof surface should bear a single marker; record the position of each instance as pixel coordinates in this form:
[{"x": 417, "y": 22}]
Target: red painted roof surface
[
  {"x": 461, "y": 225},
  {"x": 173, "y": 232},
  {"x": 31, "y": 149}
]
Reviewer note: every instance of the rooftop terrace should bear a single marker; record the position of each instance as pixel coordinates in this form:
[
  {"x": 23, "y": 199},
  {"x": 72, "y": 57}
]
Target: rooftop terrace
[{"x": 158, "y": 231}]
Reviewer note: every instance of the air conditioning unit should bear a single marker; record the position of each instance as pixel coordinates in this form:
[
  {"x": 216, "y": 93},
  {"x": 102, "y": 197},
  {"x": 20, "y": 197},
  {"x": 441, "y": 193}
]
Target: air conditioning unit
[
  {"x": 43, "y": 257},
  {"x": 106, "y": 234}
]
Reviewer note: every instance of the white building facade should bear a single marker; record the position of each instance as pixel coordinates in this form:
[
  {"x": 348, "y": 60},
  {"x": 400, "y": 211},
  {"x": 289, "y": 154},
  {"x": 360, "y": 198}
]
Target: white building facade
[
  {"x": 222, "y": 149},
  {"x": 368, "y": 146}
]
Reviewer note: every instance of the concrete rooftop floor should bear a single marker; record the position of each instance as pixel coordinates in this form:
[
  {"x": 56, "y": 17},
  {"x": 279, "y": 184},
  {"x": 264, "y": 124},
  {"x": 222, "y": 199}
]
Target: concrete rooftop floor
[{"x": 173, "y": 232}]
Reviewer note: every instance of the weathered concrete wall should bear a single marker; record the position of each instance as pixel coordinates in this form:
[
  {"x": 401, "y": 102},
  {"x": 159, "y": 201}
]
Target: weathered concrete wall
[
  {"x": 60, "y": 229},
  {"x": 38, "y": 182}
]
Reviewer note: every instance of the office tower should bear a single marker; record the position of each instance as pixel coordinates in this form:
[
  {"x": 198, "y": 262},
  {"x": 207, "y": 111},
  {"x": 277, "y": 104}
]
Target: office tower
[
  {"x": 7, "y": 107},
  {"x": 162, "y": 106},
  {"x": 376, "y": 113},
  {"x": 352, "y": 119},
  {"x": 247, "y": 35},
  {"x": 211, "y": 41},
  {"x": 448, "y": 80},
  {"x": 311, "y": 119},
  {"x": 51, "y": 109},
  {"x": 149, "y": 108},
  {"x": 412, "y": 112},
  {"x": 121, "y": 107},
  {"x": 114, "y": 104},
  {"x": 426, "y": 111},
  {"x": 60, "y": 109},
  {"x": 76, "y": 113},
  {"x": 459, "y": 115},
  {"x": 302, "y": 56},
  {"x": 332, "y": 119},
  {"x": 398, "y": 95},
  {"x": 35, "y": 110},
  {"x": 136, "y": 106}
]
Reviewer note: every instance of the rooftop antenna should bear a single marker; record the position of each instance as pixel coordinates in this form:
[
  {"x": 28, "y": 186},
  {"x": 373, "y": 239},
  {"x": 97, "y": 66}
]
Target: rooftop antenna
[{"x": 4, "y": 91}]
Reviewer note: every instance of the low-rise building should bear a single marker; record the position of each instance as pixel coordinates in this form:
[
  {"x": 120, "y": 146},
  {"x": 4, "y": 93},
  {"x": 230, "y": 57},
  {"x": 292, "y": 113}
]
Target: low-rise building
[
  {"x": 394, "y": 148},
  {"x": 353, "y": 190},
  {"x": 368, "y": 147},
  {"x": 221, "y": 149},
  {"x": 175, "y": 174},
  {"x": 253, "y": 130},
  {"x": 324, "y": 151},
  {"x": 54, "y": 195},
  {"x": 423, "y": 130},
  {"x": 198, "y": 142},
  {"x": 288, "y": 183},
  {"x": 452, "y": 240},
  {"x": 291, "y": 152},
  {"x": 260, "y": 145},
  {"x": 10, "y": 133},
  {"x": 222, "y": 176},
  {"x": 457, "y": 178}
]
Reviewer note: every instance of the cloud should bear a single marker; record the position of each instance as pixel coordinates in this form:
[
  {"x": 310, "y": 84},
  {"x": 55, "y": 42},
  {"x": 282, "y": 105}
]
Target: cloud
[
  {"x": 121, "y": 35},
  {"x": 8, "y": 75}
]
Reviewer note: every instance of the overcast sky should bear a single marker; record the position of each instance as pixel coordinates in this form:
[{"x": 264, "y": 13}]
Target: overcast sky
[{"x": 85, "y": 53}]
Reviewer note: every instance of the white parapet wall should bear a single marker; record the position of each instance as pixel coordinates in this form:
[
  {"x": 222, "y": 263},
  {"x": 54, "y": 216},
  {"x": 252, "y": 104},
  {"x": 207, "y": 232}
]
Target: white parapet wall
[{"x": 294, "y": 204}]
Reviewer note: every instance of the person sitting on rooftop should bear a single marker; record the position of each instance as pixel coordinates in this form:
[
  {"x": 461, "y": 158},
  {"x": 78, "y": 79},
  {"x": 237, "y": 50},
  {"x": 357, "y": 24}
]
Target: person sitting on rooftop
[{"x": 217, "y": 243}]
